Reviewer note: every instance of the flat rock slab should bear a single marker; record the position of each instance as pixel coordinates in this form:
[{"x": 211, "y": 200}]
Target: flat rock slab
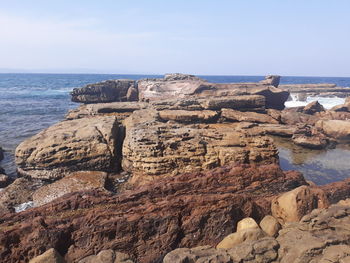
[
  {"x": 83, "y": 144},
  {"x": 77, "y": 181}
]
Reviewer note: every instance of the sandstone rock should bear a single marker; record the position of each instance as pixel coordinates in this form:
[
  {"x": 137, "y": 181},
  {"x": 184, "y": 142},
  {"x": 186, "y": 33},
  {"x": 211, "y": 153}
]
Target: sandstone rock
[
  {"x": 270, "y": 226},
  {"x": 337, "y": 191},
  {"x": 19, "y": 192},
  {"x": 120, "y": 110},
  {"x": 77, "y": 181},
  {"x": 335, "y": 128},
  {"x": 106, "y": 91},
  {"x": 263, "y": 250},
  {"x": 234, "y": 115},
  {"x": 292, "y": 117},
  {"x": 273, "y": 80},
  {"x": 313, "y": 107},
  {"x": 322, "y": 236},
  {"x": 275, "y": 98},
  {"x": 50, "y": 256},
  {"x": 152, "y": 148},
  {"x": 107, "y": 256},
  {"x": 188, "y": 210},
  {"x": 278, "y": 129},
  {"x": 333, "y": 115},
  {"x": 83, "y": 144},
  {"x": 188, "y": 116},
  {"x": 309, "y": 137},
  {"x": 293, "y": 205},
  {"x": 168, "y": 88},
  {"x": 247, "y": 223},
  {"x": 197, "y": 254},
  {"x": 239, "y": 237},
  {"x": 242, "y": 103},
  {"x": 343, "y": 107}
]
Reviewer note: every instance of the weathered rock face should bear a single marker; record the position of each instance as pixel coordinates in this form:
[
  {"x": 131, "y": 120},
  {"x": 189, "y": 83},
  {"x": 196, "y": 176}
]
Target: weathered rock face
[
  {"x": 293, "y": 205},
  {"x": 120, "y": 110},
  {"x": 107, "y": 91},
  {"x": 77, "y": 181},
  {"x": 83, "y": 144},
  {"x": 234, "y": 115},
  {"x": 312, "y": 108},
  {"x": 152, "y": 148},
  {"x": 19, "y": 192},
  {"x": 181, "y": 211},
  {"x": 309, "y": 137},
  {"x": 322, "y": 236}
]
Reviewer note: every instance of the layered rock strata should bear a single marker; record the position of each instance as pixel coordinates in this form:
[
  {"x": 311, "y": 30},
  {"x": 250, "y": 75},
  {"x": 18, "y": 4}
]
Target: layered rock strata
[
  {"x": 181, "y": 211},
  {"x": 83, "y": 144}
]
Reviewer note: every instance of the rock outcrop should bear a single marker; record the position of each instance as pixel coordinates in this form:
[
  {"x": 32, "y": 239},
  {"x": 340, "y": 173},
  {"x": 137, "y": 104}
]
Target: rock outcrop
[
  {"x": 338, "y": 129},
  {"x": 178, "y": 86},
  {"x": 292, "y": 206},
  {"x": 107, "y": 256},
  {"x": 106, "y": 91},
  {"x": 321, "y": 236},
  {"x": 180, "y": 211},
  {"x": 152, "y": 148},
  {"x": 83, "y": 144}
]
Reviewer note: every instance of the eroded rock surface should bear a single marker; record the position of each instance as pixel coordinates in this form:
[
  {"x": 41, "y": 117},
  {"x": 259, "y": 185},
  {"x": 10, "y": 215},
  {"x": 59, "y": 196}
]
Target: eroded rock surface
[
  {"x": 106, "y": 91},
  {"x": 181, "y": 211},
  {"x": 152, "y": 148},
  {"x": 83, "y": 144}
]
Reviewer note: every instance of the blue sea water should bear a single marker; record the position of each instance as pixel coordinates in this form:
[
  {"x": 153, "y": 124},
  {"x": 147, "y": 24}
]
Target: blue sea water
[{"x": 30, "y": 103}]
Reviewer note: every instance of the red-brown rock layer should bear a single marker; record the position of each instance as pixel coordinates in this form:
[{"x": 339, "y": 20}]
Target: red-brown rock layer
[{"x": 181, "y": 211}]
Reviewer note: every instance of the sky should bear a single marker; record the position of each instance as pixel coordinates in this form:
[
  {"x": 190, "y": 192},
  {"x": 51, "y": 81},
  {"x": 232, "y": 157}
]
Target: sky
[{"x": 206, "y": 37}]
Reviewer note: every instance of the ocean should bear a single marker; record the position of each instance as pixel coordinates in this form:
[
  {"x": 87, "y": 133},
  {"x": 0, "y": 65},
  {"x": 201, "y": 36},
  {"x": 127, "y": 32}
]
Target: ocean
[{"x": 30, "y": 103}]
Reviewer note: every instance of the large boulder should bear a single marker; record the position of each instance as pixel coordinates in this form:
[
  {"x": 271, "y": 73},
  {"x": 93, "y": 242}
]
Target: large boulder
[
  {"x": 312, "y": 108},
  {"x": 106, "y": 91},
  {"x": 188, "y": 210},
  {"x": 83, "y": 144},
  {"x": 293, "y": 205},
  {"x": 152, "y": 148},
  {"x": 337, "y": 129},
  {"x": 275, "y": 97}
]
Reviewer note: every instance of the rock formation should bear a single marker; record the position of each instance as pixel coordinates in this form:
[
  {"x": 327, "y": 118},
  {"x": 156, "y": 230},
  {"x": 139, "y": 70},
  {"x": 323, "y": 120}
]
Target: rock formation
[
  {"x": 180, "y": 211},
  {"x": 82, "y": 144},
  {"x": 106, "y": 91},
  {"x": 321, "y": 236}
]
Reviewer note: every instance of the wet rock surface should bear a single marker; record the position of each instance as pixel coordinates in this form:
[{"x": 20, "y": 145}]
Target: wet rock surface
[{"x": 181, "y": 211}]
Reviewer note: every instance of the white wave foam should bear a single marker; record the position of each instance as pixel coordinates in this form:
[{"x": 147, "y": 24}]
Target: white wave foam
[{"x": 326, "y": 102}]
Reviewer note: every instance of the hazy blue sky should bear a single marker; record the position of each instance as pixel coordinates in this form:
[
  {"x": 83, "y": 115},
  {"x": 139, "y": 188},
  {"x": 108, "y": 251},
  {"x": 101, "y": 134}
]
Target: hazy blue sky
[{"x": 236, "y": 37}]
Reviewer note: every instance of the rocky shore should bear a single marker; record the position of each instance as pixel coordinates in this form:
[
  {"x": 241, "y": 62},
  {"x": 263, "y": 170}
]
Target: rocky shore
[{"x": 177, "y": 170}]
